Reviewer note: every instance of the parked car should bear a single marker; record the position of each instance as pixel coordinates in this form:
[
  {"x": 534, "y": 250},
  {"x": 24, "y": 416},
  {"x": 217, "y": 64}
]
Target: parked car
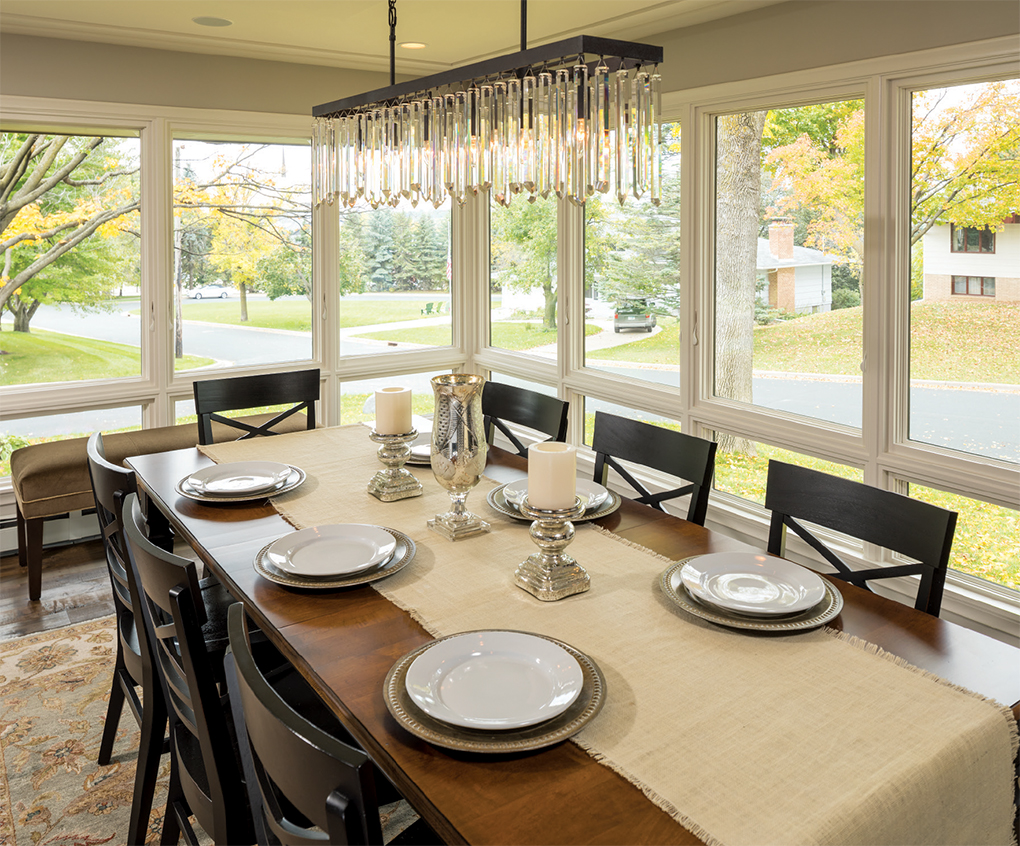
[
  {"x": 209, "y": 292},
  {"x": 633, "y": 314}
]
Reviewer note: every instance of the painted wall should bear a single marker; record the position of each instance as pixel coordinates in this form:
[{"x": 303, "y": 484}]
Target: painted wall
[
  {"x": 775, "y": 39},
  {"x": 808, "y": 33}
]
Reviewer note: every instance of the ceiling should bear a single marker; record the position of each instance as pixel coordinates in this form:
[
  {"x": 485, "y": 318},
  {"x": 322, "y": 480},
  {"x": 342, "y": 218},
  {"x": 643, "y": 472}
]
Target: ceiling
[{"x": 355, "y": 33}]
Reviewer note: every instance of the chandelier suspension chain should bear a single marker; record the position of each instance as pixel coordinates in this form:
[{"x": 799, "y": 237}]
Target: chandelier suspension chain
[{"x": 393, "y": 41}]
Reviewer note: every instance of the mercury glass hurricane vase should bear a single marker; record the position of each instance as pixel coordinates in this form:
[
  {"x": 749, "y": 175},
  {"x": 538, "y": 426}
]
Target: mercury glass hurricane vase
[{"x": 459, "y": 450}]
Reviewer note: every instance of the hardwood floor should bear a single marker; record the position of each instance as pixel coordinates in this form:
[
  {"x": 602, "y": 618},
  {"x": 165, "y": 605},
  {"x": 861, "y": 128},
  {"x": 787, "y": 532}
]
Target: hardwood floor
[{"x": 75, "y": 587}]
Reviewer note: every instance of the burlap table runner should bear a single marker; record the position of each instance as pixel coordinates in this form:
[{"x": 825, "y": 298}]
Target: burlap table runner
[{"x": 807, "y": 738}]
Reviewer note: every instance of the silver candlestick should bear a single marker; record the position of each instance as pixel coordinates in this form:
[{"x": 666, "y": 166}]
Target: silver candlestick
[
  {"x": 394, "y": 482},
  {"x": 551, "y": 574}
]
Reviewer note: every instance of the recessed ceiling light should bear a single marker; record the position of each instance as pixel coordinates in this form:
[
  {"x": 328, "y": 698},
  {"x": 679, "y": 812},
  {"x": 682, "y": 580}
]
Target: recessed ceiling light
[
  {"x": 206, "y": 21},
  {"x": 413, "y": 45}
]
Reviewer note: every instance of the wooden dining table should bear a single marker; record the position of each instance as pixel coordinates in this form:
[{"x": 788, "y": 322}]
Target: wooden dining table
[{"x": 556, "y": 795}]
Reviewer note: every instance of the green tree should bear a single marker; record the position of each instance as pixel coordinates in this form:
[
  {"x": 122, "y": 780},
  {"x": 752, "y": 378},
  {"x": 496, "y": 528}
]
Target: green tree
[
  {"x": 431, "y": 246},
  {"x": 378, "y": 250},
  {"x": 643, "y": 249},
  {"x": 59, "y": 193},
  {"x": 524, "y": 250},
  {"x": 287, "y": 269},
  {"x": 352, "y": 263}
]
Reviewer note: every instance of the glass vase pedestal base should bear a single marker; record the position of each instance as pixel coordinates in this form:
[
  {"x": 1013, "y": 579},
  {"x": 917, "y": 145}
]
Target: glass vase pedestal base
[
  {"x": 394, "y": 482},
  {"x": 551, "y": 574},
  {"x": 453, "y": 526}
]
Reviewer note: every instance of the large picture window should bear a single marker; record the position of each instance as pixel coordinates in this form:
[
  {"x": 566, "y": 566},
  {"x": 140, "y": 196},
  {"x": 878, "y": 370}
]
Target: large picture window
[
  {"x": 71, "y": 273},
  {"x": 789, "y": 248},
  {"x": 394, "y": 274},
  {"x": 964, "y": 150},
  {"x": 632, "y": 267},
  {"x": 242, "y": 254}
]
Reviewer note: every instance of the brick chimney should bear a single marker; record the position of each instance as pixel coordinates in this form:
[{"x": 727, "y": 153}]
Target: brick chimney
[{"x": 781, "y": 238}]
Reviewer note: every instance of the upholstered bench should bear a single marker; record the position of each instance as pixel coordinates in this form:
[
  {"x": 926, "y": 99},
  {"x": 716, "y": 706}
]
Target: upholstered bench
[{"x": 52, "y": 479}]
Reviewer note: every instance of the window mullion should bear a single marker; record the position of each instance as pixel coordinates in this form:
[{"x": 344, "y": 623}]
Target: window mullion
[{"x": 157, "y": 234}]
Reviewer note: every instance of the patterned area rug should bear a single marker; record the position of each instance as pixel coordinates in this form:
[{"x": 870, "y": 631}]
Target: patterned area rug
[{"x": 54, "y": 688}]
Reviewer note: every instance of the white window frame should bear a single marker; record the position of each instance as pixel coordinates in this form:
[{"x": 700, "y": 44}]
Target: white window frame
[{"x": 880, "y": 447}]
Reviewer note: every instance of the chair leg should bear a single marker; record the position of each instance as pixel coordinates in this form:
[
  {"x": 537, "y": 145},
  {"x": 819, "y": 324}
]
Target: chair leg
[
  {"x": 30, "y": 540},
  {"x": 171, "y": 825},
  {"x": 113, "y": 712},
  {"x": 150, "y": 748}
]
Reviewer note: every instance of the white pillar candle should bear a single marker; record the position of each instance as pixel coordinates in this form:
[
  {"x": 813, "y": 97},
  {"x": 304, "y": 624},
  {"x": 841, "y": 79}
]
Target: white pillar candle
[
  {"x": 393, "y": 411},
  {"x": 552, "y": 475}
]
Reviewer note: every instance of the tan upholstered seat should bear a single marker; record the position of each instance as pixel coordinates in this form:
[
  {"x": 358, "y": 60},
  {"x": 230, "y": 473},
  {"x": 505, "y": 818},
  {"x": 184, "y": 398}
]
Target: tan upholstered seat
[{"x": 51, "y": 479}]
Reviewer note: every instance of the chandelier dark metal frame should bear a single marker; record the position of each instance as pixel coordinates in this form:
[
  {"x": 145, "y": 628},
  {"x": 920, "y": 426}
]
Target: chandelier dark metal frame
[{"x": 541, "y": 121}]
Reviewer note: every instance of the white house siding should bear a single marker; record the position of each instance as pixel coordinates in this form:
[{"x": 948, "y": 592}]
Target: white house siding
[
  {"x": 814, "y": 287},
  {"x": 941, "y": 264}
]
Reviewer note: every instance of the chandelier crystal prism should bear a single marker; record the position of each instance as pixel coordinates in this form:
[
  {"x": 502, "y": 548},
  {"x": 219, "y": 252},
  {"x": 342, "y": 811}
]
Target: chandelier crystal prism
[{"x": 568, "y": 119}]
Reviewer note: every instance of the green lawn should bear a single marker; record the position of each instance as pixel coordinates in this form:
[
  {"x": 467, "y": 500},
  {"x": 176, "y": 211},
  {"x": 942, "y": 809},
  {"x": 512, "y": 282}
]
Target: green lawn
[
  {"x": 955, "y": 342},
  {"x": 41, "y": 356},
  {"x": 296, "y": 315}
]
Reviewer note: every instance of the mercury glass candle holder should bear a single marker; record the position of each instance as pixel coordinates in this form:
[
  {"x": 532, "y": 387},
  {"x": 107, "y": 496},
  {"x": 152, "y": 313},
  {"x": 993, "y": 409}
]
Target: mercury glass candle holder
[
  {"x": 551, "y": 574},
  {"x": 394, "y": 482},
  {"x": 459, "y": 451}
]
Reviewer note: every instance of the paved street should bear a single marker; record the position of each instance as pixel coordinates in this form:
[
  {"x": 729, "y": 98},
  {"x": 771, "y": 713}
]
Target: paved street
[{"x": 977, "y": 420}]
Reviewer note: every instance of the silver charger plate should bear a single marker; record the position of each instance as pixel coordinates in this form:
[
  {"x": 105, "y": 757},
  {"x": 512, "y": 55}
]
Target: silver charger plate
[
  {"x": 296, "y": 477},
  {"x": 499, "y": 503},
  {"x": 825, "y": 611},
  {"x": 402, "y": 555},
  {"x": 582, "y": 711}
]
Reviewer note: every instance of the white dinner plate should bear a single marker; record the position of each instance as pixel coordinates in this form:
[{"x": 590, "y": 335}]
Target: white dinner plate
[
  {"x": 239, "y": 477},
  {"x": 752, "y": 583},
  {"x": 337, "y": 549},
  {"x": 494, "y": 680},
  {"x": 592, "y": 493},
  {"x": 422, "y": 452}
]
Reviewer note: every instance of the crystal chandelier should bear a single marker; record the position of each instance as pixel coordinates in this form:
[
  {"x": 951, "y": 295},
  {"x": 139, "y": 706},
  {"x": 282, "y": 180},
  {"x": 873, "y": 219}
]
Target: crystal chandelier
[{"x": 546, "y": 120}]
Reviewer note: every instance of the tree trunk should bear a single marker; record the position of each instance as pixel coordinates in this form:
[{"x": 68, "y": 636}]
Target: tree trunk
[
  {"x": 738, "y": 192},
  {"x": 549, "y": 311},
  {"x": 244, "y": 302},
  {"x": 22, "y": 314},
  {"x": 549, "y": 291}
]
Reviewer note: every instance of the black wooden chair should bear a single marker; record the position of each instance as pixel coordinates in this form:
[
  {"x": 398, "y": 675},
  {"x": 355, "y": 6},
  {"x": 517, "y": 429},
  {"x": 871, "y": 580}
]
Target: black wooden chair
[
  {"x": 687, "y": 457},
  {"x": 305, "y": 784},
  {"x": 205, "y": 777},
  {"x": 133, "y": 669},
  {"x": 918, "y": 530},
  {"x": 299, "y": 388},
  {"x": 503, "y": 404}
]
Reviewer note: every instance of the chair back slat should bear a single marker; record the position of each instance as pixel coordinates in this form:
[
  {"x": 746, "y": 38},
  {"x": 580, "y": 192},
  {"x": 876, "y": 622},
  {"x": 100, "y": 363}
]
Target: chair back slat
[
  {"x": 305, "y": 777},
  {"x": 110, "y": 484},
  {"x": 687, "y": 457},
  {"x": 915, "y": 529},
  {"x": 503, "y": 404},
  {"x": 299, "y": 388},
  {"x": 204, "y": 761}
]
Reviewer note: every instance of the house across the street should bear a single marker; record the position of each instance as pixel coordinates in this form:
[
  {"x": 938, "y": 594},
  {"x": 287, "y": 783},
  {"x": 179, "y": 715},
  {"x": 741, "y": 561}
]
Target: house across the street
[
  {"x": 799, "y": 278},
  {"x": 967, "y": 263}
]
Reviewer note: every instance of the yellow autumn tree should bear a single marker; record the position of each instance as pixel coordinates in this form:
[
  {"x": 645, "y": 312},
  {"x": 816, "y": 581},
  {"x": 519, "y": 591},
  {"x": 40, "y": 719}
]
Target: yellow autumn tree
[{"x": 64, "y": 203}]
